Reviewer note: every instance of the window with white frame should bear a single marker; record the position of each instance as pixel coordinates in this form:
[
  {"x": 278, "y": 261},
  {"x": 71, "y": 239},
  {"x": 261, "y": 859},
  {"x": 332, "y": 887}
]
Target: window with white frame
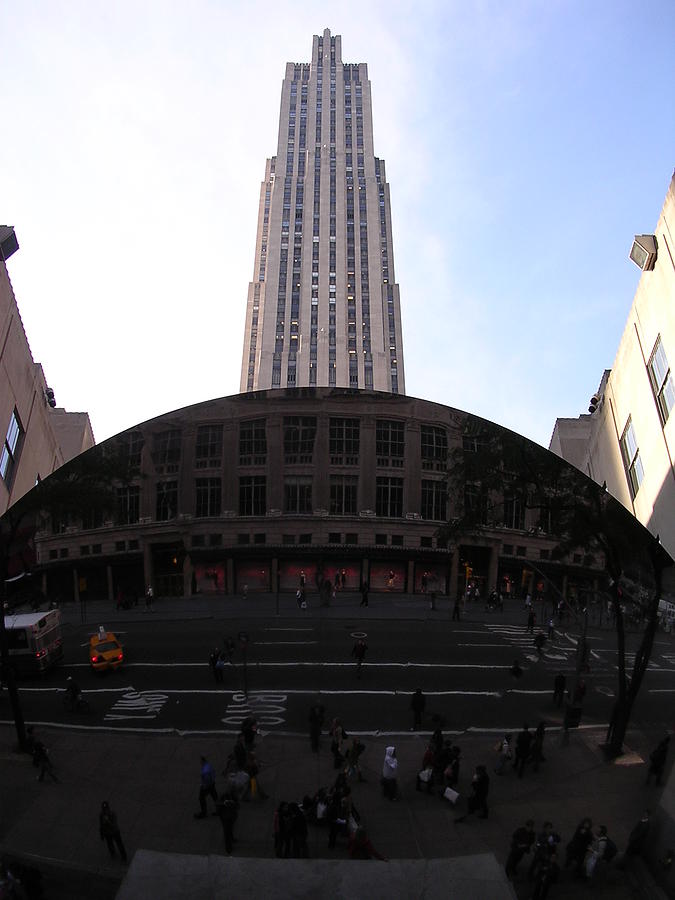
[
  {"x": 631, "y": 458},
  {"x": 661, "y": 380}
]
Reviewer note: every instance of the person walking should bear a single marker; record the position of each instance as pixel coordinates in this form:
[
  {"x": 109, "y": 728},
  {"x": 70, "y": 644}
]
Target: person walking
[
  {"x": 42, "y": 761},
  {"x": 359, "y": 653},
  {"x": 149, "y": 598},
  {"x": 418, "y": 704},
  {"x": 547, "y": 874},
  {"x": 110, "y": 830},
  {"x": 337, "y": 734},
  {"x": 546, "y": 845},
  {"x": 521, "y": 843},
  {"x": 597, "y": 851},
  {"x": 207, "y": 787},
  {"x": 523, "y": 745},
  {"x": 638, "y": 836},
  {"x": 504, "y": 754},
  {"x": 537, "y": 752},
  {"x": 530, "y": 620},
  {"x": 316, "y": 716},
  {"x": 657, "y": 760},
  {"x": 456, "y": 609},
  {"x": 480, "y": 786},
  {"x": 364, "y": 593},
  {"x": 578, "y": 847},
  {"x": 227, "y": 808},
  {"x": 559, "y": 685},
  {"x": 389, "y": 774}
]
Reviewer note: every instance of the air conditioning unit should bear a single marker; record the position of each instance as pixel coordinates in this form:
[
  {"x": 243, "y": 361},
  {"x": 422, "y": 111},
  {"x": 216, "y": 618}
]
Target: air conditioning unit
[{"x": 644, "y": 251}]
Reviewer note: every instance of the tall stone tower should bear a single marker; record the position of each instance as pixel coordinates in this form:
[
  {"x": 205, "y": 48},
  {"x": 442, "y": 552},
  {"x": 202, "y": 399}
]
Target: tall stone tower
[{"x": 323, "y": 308}]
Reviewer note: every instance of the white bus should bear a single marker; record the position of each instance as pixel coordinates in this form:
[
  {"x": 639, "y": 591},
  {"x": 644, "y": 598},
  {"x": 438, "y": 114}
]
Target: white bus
[{"x": 34, "y": 641}]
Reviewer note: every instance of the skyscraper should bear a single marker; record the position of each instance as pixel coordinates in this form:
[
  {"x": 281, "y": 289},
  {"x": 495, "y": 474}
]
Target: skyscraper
[{"x": 323, "y": 308}]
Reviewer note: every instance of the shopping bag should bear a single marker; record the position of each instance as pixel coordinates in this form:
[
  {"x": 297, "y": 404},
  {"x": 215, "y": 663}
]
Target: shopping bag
[{"x": 451, "y": 795}]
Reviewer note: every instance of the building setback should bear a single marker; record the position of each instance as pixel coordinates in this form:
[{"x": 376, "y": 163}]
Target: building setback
[{"x": 323, "y": 307}]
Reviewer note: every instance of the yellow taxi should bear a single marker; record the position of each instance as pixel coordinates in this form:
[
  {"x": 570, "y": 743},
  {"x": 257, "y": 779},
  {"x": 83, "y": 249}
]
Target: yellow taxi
[{"x": 105, "y": 651}]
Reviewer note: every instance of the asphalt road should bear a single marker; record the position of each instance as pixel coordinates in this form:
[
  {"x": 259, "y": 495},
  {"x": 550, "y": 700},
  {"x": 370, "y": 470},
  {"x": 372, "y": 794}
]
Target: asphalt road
[{"x": 166, "y": 683}]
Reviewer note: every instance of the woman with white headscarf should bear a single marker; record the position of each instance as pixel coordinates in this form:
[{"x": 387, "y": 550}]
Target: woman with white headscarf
[{"x": 389, "y": 773}]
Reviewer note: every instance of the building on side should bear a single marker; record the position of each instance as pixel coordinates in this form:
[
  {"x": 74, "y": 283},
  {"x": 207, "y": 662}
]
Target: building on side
[
  {"x": 627, "y": 439},
  {"x": 323, "y": 307},
  {"x": 37, "y": 436}
]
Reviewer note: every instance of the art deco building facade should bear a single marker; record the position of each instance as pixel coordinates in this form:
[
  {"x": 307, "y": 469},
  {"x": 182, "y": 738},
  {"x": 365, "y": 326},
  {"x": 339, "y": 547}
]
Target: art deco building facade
[
  {"x": 627, "y": 440},
  {"x": 323, "y": 307},
  {"x": 37, "y": 437}
]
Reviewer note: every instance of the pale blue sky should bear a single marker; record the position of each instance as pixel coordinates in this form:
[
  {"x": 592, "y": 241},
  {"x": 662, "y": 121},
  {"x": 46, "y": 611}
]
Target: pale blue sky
[{"x": 525, "y": 143}]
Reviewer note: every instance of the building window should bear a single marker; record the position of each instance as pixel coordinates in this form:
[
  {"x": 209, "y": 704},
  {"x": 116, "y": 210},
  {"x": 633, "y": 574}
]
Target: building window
[
  {"x": 167, "y": 500},
  {"x": 397, "y": 540},
  {"x": 252, "y": 495},
  {"x": 434, "y": 447},
  {"x": 198, "y": 540},
  {"x": 298, "y": 494},
  {"x": 389, "y": 497},
  {"x": 120, "y": 546},
  {"x": 215, "y": 540},
  {"x": 166, "y": 451},
  {"x": 631, "y": 458},
  {"x": 131, "y": 446},
  {"x": 305, "y": 539},
  {"x": 351, "y": 538},
  {"x": 514, "y": 512},
  {"x": 243, "y": 538},
  {"x": 381, "y": 539},
  {"x": 426, "y": 541},
  {"x": 343, "y": 491},
  {"x": 475, "y": 503},
  {"x": 209, "y": 448},
  {"x": 252, "y": 443},
  {"x": 334, "y": 537},
  {"x": 299, "y": 434},
  {"x": 128, "y": 504},
  {"x": 133, "y": 544},
  {"x": 389, "y": 443},
  {"x": 207, "y": 497},
  {"x": 259, "y": 538},
  {"x": 287, "y": 539},
  {"x": 344, "y": 439},
  {"x": 434, "y": 500},
  {"x": 11, "y": 448},
  {"x": 662, "y": 383}
]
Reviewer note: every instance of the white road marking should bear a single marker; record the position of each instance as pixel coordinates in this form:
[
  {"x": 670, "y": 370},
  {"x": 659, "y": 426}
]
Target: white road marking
[
  {"x": 288, "y": 629},
  {"x": 282, "y": 643}
]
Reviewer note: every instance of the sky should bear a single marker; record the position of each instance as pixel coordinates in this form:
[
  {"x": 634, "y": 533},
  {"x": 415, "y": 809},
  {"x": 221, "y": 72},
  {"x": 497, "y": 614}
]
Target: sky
[{"x": 525, "y": 143}]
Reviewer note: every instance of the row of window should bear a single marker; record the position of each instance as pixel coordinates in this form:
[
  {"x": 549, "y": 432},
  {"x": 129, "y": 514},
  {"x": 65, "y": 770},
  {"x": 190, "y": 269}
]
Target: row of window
[
  {"x": 297, "y": 498},
  {"x": 299, "y": 437}
]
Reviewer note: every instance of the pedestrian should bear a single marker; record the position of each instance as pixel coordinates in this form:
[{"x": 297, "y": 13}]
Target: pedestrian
[
  {"x": 521, "y": 843},
  {"x": 298, "y": 823},
  {"x": 547, "y": 874},
  {"x": 523, "y": 745},
  {"x": 546, "y": 845},
  {"x": 531, "y": 618},
  {"x": 516, "y": 670},
  {"x": 220, "y": 667},
  {"x": 336, "y": 581},
  {"x": 657, "y": 760},
  {"x": 551, "y": 629},
  {"x": 426, "y": 773},
  {"x": 282, "y": 831},
  {"x": 360, "y": 846},
  {"x": 213, "y": 659},
  {"x": 207, "y": 787},
  {"x": 354, "y": 750},
  {"x": 578, "y": 847},
  {"x": 504, "y": 753},
  {"x": 579, "y": 693},
  {"x": 389, "y": 774},
  {"x": 149, "y": 598},
  {"x": 417, "y": 705},
  {"x": 343, "y": 580},
  {"x": 597, "y": 851},
  {"x": 424, "y": 582},
  {"x": 537, "y": 752},
  {"x": 316, "y": 717},
  {"x": 300, "y": 598},
  {"x": 227, "y": 808},
  {"x": 480, "y": 785},
  {"x": 110, "y": 830},
  {"x": 638, "y": 836},
  {"x": 559, "y": 684},
  {"x": 364, "y": 593},
  {"x": 42, "y": 761},
  {"x": 539, "y": 641},
  {"x": 359, "y": 653},
  {"x": 451, "y": 770},
  {"x": 455, "y": 608},
  {"x": 302, "y": 580},
  {"x": 337, "y": 734}
]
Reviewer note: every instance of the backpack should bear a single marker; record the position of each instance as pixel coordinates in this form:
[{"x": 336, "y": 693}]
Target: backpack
[{"x": 610, "y": 850}]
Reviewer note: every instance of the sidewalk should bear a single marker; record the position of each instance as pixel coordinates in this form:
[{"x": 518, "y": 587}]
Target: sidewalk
[{"x": 152, "y": 782}]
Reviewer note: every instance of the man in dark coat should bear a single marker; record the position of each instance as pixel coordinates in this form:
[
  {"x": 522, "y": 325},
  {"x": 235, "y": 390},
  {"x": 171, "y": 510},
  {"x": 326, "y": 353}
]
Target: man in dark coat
[
  {"x": 521, "y": 843},
  {"x": 227, "y": 809},
  {"x": 110, "y": 830},
  {"x": 657, "y": 760},
  {"x": 316, "y": 716},
  {"x": 418, "y": 704},
  {"x": 523, "y": 744},
  {"x": 480, "y": 786}
]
